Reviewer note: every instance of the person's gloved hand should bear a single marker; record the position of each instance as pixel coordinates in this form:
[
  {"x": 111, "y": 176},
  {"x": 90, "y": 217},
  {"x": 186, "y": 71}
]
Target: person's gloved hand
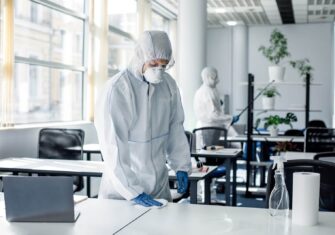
[
  {"x": 182, "y": 179},
  {"x": 235, "y": 119},
  {"x": 146, "y": 200}
]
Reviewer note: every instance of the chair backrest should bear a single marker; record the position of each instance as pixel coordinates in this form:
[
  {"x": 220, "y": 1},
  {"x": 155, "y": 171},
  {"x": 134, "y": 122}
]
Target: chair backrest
[
  {"x": 294, "y": 132},
  {"x": 319, "y": 140},
  {"x": 327, "y": 177},
  {"x": 56, "y": 143},
  {"x": 207, "y": 136},
  {"x": 316, "y": 123}
]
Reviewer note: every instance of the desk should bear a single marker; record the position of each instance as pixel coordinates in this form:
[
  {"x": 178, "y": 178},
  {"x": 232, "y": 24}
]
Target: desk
[
  {"x": 96, "y": 217},
  {"x": 202, "y": 219},
  {"x": 121, "y": 217},
  {"x": 89, "y": 149},
  {"x": 193, "y": 179},
  {"x": 267, "y": 138},
  {"x": 83, "y": 168},
  {"x": 229, "y": 156}
]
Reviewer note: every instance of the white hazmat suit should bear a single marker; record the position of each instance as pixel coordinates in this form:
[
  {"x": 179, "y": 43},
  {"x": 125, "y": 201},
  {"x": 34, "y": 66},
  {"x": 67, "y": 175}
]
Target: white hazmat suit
[
  {"x": 207, "y": 103},
  {"x": 140, "y": 127}
]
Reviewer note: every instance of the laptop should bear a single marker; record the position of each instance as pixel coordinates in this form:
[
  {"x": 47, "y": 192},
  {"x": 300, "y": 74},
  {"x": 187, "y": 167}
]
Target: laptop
[{"x": 39, "y": 199}]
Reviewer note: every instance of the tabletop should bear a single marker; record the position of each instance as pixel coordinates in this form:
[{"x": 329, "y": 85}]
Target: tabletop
[
  {"x": 123, "y": 217},
  {"x": 204, "y": 219},
  {"x": 97, "y": 216},
  {"x": 267, "y": 138}
]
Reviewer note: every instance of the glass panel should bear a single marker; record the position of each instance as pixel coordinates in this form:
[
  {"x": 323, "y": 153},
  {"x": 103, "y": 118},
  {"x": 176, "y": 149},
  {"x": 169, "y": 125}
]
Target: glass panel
[
  {"x": 43, "y": 94},
  {"x": 74, "y": 5},
  {"x": 47, "y": 34},
  {"x": 159, "y": 22},
  {"x": 123, "y": 15},
  {"x": 120, "y": 52}
]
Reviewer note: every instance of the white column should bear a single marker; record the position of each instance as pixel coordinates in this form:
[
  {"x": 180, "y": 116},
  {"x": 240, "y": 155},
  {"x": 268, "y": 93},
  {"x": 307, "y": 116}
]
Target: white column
[
  {"x": 192, "y": 53},
  {"x": 240, "y": 71}
]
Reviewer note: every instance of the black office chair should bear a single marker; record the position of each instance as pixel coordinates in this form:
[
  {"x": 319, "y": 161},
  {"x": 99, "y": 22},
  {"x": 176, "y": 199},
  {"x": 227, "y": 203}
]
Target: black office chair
[
  {"x": 316, "y": 123},
  {"x": 55, "y": 143},
  {"x": 320, "y": 140},
  {"x": 327, "y": 178}
]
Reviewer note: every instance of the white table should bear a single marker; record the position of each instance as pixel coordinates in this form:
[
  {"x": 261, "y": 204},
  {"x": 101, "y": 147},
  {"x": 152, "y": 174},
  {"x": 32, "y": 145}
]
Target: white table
[
  {"x": 229, "y": 155},
  {"x": 121, "y": 217},
  {"x": 267, "y": 138},
  {"x": 96, "y": 217},
  {"x": 84, "y": 168},
  {"x": 202, "y": 219},
  {"x": 193, "y": 179}
]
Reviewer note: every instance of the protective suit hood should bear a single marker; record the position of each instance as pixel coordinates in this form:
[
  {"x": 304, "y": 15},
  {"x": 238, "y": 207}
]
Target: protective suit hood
[
  {"x": 151, "y": 45},
  {"x": 210, "y": 76}
]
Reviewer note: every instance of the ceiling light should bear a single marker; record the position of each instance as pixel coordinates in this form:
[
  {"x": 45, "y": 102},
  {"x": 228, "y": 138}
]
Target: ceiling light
[
  {"x": 217, "y": 10},
  {"x": 231, "y": 23}
]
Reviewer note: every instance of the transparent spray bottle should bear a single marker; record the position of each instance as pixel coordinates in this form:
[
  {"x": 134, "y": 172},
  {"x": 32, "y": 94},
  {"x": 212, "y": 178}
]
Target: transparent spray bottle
[{"x": 279, "y": 200}]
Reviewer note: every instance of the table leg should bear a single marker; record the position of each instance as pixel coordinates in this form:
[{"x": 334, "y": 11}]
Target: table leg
[
  {"x": 88, "y": 179},
  {"x": 227, "y": 188},
  {"x": 193, "y": 191},
  {"x": 234, "y": 182},
  {"x": 207, "y": 192}
]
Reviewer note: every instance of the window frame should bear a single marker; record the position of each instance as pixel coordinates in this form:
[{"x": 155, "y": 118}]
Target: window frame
[{"x": 56, "y": 65}]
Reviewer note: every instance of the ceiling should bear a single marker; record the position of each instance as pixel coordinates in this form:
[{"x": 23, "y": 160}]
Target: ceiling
[{"x": 263, "y": 12}]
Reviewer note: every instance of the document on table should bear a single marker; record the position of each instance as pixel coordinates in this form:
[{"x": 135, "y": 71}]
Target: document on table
[{"x": 220, "y": 151}]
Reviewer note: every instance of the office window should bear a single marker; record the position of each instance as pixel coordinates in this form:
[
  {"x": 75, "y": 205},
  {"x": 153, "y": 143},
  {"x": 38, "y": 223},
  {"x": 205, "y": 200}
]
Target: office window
[
  {"x": 120, "y": 52},
  {"x": 123, "y": 15},
  {"x": 159, "y": 22},
  {"x": 122, "y": 28},
  {"x": 49, "y": 61}
]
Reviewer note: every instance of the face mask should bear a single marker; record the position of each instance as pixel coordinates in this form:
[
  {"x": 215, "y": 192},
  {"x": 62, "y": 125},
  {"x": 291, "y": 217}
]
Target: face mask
[
  {"x": 212, "y": 82},
  {"x": 154, "y": 74}
]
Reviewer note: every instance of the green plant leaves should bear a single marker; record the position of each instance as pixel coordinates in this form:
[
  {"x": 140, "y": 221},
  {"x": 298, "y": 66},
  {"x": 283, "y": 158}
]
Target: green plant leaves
[{"x": 277, "y": 49}]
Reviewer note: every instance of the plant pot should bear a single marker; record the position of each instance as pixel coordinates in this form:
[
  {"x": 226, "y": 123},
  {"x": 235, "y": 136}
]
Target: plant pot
[
  {"x": 268, "y": 103},
  {"x": 276, "y": 73},
  {"x": 273, "y": 130}
]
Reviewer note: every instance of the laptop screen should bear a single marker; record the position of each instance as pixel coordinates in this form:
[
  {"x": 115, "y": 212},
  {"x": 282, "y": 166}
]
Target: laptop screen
[{"x": 39, "y": 199}]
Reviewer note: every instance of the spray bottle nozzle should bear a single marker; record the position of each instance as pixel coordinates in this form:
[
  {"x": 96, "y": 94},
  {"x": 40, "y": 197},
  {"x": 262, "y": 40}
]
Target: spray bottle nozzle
[{"x": 278, "y": 161}]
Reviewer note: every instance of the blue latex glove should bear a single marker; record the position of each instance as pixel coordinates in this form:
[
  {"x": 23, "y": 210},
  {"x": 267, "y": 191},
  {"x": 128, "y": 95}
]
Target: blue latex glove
[
  {"x": 182, "y": 179},
  {"x": 146, "y": 200},
  {"x": 235, "y": 119}
]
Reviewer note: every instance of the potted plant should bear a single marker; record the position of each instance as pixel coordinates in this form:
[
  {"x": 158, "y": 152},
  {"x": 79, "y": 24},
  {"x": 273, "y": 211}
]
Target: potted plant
[
  {"x": 276, "y": 52},
  {"x": 272, "y": 122},
  {"x": 269, "y": 95},
  {"x": 303, "y": 66}
]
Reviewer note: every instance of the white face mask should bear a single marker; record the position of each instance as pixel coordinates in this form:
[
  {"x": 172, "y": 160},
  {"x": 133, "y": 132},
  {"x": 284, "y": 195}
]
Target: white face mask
[{"x": 154, "y": 74}]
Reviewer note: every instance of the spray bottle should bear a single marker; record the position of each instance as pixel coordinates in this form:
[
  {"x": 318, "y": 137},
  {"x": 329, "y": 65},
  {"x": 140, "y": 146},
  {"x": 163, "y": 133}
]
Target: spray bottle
[{"x": 279, "y": 200}]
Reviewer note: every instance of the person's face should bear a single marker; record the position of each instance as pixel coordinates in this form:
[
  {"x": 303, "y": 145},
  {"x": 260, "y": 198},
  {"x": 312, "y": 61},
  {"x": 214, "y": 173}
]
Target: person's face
[
  {"x": 155, "y": 63},
  {"x": 213, "y": 81}
]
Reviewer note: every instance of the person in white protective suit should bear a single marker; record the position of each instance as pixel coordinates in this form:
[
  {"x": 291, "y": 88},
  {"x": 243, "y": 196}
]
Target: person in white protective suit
[
  {"x": 139, "y": 121},
  {"x": 208, "y": 106}
]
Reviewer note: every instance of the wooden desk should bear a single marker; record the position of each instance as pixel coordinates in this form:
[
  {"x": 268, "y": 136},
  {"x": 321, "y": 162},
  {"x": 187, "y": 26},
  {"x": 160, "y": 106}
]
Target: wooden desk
[{"x": 229, "y": 156}]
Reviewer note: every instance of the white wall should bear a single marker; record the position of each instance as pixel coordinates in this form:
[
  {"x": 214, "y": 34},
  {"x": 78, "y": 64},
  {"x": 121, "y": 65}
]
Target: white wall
[
  {"x": 313, "y": 41},
  {"x": 23, "y": 142}
]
